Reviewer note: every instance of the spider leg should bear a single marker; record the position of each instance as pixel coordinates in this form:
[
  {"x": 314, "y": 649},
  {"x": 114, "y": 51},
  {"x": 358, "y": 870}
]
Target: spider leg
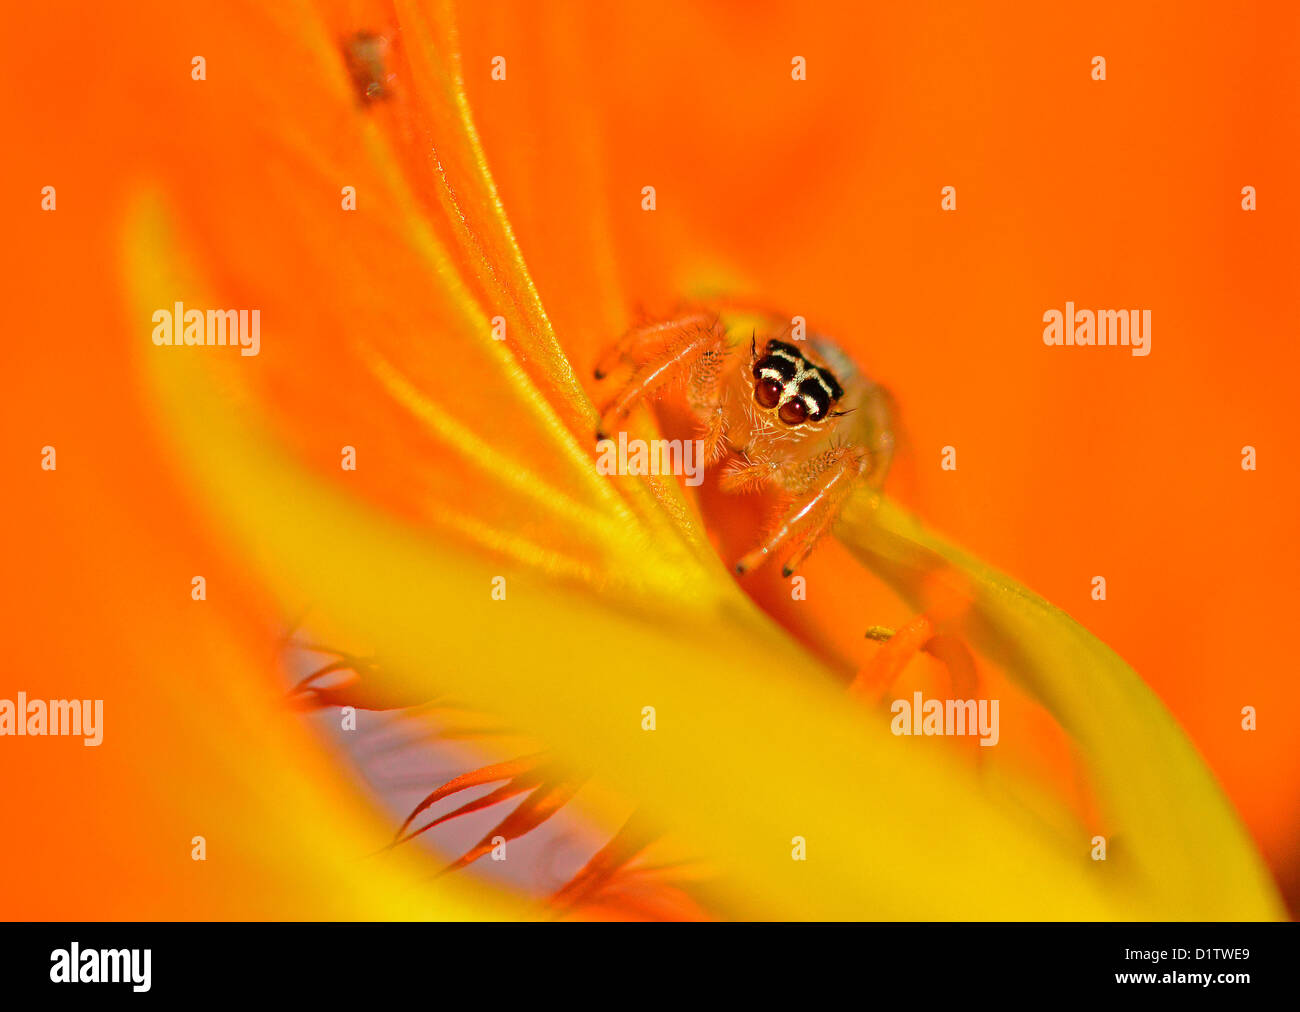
[
  {"x": 812, "y": 512},
  {"x": 661, "y": 357},
  {"x": 647, "y": 336},
  {"x": 706, "y": 395},
  {"x": 745, "y": 475}
]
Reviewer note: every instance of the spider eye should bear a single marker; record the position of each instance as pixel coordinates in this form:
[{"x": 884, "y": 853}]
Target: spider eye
[
  {"x": 793, "y": 411},
  {"x": 767, "y": 393}
]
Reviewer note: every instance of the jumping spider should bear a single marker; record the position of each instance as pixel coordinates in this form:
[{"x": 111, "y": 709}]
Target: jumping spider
[{"x": 796, "y": 414}]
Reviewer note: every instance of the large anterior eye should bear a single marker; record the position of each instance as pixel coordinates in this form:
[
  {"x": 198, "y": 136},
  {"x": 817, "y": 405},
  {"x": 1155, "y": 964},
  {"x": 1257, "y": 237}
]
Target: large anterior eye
[
  {"x": 793, "y": 411},
  {"x": 767, "y": 392}
]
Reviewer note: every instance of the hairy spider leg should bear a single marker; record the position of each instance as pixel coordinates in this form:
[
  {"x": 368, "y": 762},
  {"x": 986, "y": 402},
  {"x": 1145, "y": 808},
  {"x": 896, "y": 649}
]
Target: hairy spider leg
[
  {"x": 671, "y": 355},
  {"x": 646, "y": 335},
  {"x": 744, "y": 475},
  {"x": 813, "y": 512},
  {"x": 706, "y": 395}
]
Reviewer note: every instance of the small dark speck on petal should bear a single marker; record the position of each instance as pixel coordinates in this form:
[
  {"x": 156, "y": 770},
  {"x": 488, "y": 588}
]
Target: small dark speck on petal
[{"x": 365, "y": 54}]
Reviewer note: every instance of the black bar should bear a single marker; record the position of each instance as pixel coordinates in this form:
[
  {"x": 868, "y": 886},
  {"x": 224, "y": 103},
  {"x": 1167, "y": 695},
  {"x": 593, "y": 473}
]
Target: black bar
[{"x": 581, "y": 962}]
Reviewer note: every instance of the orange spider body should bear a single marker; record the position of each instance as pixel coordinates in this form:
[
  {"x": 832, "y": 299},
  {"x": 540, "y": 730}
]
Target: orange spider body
[{"x": 775, "y": 407}]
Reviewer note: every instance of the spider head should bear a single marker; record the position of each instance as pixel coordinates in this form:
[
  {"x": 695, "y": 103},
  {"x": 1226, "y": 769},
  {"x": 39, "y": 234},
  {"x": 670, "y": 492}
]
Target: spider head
[{"x": 791, "y": 387}]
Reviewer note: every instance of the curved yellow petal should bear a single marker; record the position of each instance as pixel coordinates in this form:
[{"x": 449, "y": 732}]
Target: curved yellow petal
[{"x": 1179, "y": 833}]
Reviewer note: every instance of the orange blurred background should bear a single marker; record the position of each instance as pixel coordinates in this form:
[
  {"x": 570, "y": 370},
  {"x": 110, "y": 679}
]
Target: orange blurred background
[{"x": 823, "y": 198}]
